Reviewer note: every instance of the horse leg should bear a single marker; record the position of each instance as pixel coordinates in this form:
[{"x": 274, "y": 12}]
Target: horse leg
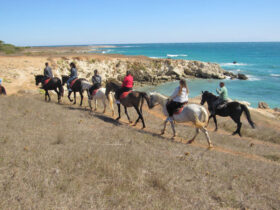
[
  {"x": 95, "y": 102},
  {"x": 104, "y": 105},
  {"x": 215, "y": 121},
  {"x": 82, "y": 97},
  {"x": 74, "y": 98},
  {"x": 140, "y": 116},
  {"x": 164, "y": 126},
  {"x": 125, "y": 110},
  {"x": 210, "y": 145},
  {"x": 173, "y": 128},
  {"x": 48, "y": 95},
  {"x": 119, "y": 110},
  {"x": 195, "y": 135},
  {"x": 58, "y": 95},
  {"x": 239, "y": 124},
  {"x": 69, "y": 94}
]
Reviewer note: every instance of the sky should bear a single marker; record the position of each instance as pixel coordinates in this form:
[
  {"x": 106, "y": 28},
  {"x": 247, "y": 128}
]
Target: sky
[{"x": 83, "y": 22}]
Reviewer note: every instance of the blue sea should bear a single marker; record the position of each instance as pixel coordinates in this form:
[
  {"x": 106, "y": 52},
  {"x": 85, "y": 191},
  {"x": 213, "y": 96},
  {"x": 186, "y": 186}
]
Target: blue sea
[{"x": 260, "y": 61}]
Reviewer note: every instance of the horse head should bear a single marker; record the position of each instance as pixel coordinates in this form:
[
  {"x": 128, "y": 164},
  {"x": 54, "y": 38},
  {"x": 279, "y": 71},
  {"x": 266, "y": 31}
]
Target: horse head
[
  {"x": 64, "y": 79},
  {"x": 38, "y": 79},
  {"x": 156, "y": 98}
]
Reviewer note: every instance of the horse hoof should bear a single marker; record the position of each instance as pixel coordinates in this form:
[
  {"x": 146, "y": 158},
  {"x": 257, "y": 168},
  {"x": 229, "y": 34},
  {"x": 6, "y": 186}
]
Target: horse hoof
[
  {"x": 190, "y": 141},
  {"x": 118, "y": 118},
  {"x": 130, "y": 122},
  {"x": 234, "y": 133},
  {"x": 216, "y": 130},
  {"x": 210, "y": 146}
]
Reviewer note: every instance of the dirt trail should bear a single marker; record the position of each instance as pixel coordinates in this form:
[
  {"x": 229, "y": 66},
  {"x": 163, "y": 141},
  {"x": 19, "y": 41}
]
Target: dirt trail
[{"x": 203, "y": 146}]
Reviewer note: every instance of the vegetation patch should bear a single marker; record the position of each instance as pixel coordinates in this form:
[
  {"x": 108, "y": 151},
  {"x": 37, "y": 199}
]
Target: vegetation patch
[{"x": 9, "y": 48}]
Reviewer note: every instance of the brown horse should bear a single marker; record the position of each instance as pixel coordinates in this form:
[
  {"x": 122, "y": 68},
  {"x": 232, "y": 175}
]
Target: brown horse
[{"x": 133, "y": 99}]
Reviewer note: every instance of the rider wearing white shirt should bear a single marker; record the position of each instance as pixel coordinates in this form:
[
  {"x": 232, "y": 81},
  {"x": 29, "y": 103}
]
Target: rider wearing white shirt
[{"x": 179, "y": 97}]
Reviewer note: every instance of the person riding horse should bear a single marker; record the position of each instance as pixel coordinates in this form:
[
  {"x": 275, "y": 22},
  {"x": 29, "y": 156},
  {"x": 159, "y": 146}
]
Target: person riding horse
[
  {"x": 178, "y": 98},
  {"x": 73, "y": 75},
  {"x": 47, "y": 73},
  {"x": 127, "y": 85},
  {"x": 223, "y": 98},
  {"x": 2, "y": 89},
  {"x": 96, "y": 80}
]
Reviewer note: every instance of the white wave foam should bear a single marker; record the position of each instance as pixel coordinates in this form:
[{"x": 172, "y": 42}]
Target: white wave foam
[
  {"x": 253, "y": 78},
  {"x": 232, "y": 64},
  {"x": 275, "y": 75},
  {"x": 106, "y": 51},
  {"x": 180, "y": 55}
]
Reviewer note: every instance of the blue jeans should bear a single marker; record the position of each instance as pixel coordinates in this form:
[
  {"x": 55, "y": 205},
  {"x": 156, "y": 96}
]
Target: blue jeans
[{"x": 69, "y": 81}]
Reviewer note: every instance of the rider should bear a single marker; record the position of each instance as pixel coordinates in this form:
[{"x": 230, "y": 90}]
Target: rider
[
  {"x": 96, "y": 80},
  {"x": 47, "y": 73},
  {"x": 73, "y": 75},
  {"x": 178, "y": 98},
  {"x": 223, "y": 97},
  {"x": 2, "y": 89},
  {"x": 127, "y": 85}
]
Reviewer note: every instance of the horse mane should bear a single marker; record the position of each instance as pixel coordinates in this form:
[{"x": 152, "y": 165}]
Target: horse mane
[
  {"x": 209, "y": 94},
  {"x": 113, "y": 81}
]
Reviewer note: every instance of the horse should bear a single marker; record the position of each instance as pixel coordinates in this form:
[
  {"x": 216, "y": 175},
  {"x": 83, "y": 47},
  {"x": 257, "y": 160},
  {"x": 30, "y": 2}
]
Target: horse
[
  {"x": 133, "y": 99},
  {"x": 99, "y": 95},
  {"x": 232, "y": 109},
  {"x": 194, "y": 113},
  {"x": 78, "y": 86},
  {"x": 53, "y": 84}
]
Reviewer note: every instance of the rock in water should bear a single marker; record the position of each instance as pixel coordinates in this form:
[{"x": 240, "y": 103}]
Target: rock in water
[
  {"x": 242, "y": 76},
  {"x": 263, "y": 105}
]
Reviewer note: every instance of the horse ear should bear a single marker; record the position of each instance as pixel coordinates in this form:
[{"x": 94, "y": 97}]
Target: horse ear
[{"x": 202, "y": 92}]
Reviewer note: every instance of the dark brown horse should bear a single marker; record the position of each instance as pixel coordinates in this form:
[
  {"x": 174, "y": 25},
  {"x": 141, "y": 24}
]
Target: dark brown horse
[
  {"x": 78, "y": 86},
  {"x": 53, "y": 84},
  {"x": 133, "y": 99}
]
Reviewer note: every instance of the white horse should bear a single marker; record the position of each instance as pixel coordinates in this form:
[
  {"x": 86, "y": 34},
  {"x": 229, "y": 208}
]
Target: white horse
[
  {"x": 191, "y": 113},
  {"x": 99, "y": 95}
]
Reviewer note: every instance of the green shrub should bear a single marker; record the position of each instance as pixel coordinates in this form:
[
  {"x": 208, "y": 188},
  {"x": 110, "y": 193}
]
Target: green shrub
[{"x": 9, "y": 48}]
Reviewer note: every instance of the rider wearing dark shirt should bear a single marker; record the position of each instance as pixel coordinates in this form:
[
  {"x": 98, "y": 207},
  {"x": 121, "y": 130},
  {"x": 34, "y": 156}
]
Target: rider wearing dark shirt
[
  {"x": 47, "y": 73},
  {"x": 73, "y": 75},
  {"x": 96, "y": 80}
]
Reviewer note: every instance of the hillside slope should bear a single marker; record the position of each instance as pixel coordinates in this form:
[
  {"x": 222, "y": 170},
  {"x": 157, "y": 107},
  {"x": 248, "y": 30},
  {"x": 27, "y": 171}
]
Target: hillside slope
[{"x": 64, "y": 157}]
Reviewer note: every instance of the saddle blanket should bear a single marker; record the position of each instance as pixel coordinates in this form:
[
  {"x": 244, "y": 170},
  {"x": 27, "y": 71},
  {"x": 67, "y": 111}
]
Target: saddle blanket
[
  {"x": 47, "y": 81},
  {"x": 94, "y": 92},
  {"x": 178, "y": 111},
  {"x": 73, "y": 82},
  {"x": 124, "y": 94}
]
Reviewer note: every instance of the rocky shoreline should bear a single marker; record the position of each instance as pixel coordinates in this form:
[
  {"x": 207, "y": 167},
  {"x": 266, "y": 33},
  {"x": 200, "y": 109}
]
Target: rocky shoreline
[{"x": 145, "y": 70}]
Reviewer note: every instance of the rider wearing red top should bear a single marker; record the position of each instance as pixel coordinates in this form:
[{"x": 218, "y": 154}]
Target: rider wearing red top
[{"x": 126, "y": 85}]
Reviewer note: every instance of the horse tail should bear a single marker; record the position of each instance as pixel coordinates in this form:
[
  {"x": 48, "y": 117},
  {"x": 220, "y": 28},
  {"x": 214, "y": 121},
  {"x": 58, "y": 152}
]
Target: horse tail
[
  {"x": 111, "y": 100},
  {"x": 205, "y": 115},
  {"x": 198, "y": 123},
  {"x": 146, "y": 97},
  {"x": 246, "y": 110}
]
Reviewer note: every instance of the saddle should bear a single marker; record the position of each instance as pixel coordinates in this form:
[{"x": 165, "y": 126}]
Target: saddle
[
  {"x": 221, "y": 105},
  {"x": 73, "y": 82},
  {"x": 179, "y": 110},
  {"x": 125, "y": 94},
  {"x": 47, "y": 81},
  {"x": 94, "y": 92}
]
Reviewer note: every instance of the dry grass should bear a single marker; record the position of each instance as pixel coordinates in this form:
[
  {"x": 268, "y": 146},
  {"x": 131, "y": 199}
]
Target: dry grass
[{"x": 62, "y": 157}]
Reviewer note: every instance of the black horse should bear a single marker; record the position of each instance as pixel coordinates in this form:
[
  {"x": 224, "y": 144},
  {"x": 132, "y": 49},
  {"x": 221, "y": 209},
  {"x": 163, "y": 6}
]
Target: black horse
[
  {"x": 232, "y": 109},
  {"x": 53, "y": 84},
  {"x": 133, "y": 99}
]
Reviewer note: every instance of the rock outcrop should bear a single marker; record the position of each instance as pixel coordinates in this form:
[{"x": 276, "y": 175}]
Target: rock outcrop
[
  {"x": 145, "y": 70},
  {"x": 263, "y": 105}
]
